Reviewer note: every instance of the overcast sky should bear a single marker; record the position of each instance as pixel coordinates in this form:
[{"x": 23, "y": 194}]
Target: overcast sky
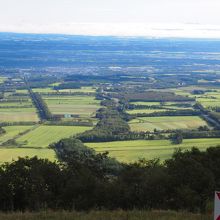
[{"x": 107, "y": 17}]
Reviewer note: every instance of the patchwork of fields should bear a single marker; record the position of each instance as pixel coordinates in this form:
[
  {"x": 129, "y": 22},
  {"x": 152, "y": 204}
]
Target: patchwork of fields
[
  {"x": 79, "y": 105},
  {"x": 128, "y": 151}
]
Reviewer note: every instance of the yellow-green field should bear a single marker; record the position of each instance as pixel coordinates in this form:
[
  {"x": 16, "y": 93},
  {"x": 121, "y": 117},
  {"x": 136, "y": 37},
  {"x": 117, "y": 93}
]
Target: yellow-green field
[
  {"x": 127, "y": 151},
  {"x": 12, "y": 131},
  {"x": 83, "y": 106},
  {"x": 166, "y": 123},
  {"x": 44, "y": 135},
  {"x": 9, "y": 154}
]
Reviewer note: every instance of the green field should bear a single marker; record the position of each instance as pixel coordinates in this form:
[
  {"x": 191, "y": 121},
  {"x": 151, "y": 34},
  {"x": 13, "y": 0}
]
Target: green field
[
  {"x": 147, "y": 111},
  {"x": 44, "y": 135},
  {"x": 82, "y": 106},
  {"x": 127, "y": 151},
  {"x": 12, "y": 131},
  {"x": 166, "y": 123}
]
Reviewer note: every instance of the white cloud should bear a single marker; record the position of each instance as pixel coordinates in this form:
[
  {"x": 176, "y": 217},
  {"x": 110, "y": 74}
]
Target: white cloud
[{"x": 120, "y": 29}]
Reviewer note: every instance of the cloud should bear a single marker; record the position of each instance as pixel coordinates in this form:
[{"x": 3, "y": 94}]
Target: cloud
[{"x": 120, "y": 29}]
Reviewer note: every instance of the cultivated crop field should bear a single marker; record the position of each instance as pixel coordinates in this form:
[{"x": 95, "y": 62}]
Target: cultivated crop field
[
  {"x": 166, "y": 123},
  {"x": 128, "y": 151},
  {"x": 82, "y": 106}
]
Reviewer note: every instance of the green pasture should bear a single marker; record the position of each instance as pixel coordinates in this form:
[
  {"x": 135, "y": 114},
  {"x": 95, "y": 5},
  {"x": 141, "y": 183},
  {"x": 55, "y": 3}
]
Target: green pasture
[
  {"x": 166, "y": 123},
  {"x": 44, "y": 135},
  {"x": 132, "y": 150}
]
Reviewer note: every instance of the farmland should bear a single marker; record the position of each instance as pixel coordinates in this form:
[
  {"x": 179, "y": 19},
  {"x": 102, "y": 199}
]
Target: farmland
[
  {"x": 111, "y": 96},
  {"x": 166, "y": 123},
  {"x": 33, "y": 140},
  {"x": 128, "y": 151},
  {"x": 81, "y": 106},
  {"x": 43, "y": 136},
  {"x": 16, "y": 108}
]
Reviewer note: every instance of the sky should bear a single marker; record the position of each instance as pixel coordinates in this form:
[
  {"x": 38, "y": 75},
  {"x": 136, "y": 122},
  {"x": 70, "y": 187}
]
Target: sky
[{"x": 153, "y": 18}]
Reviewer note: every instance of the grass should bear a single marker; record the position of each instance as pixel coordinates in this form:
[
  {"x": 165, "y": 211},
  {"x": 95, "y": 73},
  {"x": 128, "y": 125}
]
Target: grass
[
  {"x": 44, "y": 135},
  {"x": 106, "y": 215},
  {"x": 166, "y": 123},
  {"x": 132, "y": 150},
  {"x": 12, "y": 131},
  {"x": 9, "y": 154},
  {"x": 83, "y": 106}
]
